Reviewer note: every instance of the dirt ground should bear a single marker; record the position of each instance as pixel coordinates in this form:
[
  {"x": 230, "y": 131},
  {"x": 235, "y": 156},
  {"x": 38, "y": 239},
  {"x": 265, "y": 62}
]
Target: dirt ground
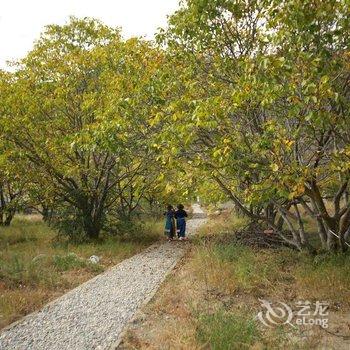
[{"x": 169, "y": 320}]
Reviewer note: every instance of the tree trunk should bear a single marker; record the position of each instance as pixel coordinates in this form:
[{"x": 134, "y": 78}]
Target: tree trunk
[
  {"x": 305, "y": 244},
  {"x": 344, "y": 227},
  {"x": 46, "y": 213},
  {"x": 270, "y": 212},
  {"x": 8, "y": 218},
  {"x": 91, "y": 225},
  {"x": 322, "y": 233},
  {"x": 332, "y": 244}
]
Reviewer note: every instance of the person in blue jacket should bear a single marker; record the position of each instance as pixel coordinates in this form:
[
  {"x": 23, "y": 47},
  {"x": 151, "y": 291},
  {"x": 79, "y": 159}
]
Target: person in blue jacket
[
  {"x": 181, "y": 216},
  {"x": 170, "y": 224}
]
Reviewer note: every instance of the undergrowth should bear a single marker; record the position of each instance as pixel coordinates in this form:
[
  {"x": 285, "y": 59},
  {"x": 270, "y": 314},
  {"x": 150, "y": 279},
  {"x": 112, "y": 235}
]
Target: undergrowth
[{"x": 37, "y": 265}]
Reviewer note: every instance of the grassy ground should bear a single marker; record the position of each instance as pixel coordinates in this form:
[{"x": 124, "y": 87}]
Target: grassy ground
[
  {"x": 212, "y": 299},
  {"x": 36, "y": 267}
]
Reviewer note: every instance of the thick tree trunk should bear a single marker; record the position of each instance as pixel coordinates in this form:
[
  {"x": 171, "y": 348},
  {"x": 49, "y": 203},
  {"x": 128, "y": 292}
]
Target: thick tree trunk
[
  {"x": 91, "y": 226},
  {"x": 90, "y": 208}
]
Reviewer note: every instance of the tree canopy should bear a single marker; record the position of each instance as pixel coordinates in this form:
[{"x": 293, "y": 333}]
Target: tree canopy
[
  {"x": 239, "y": 100},
  {"x": 264, "y": 110}
]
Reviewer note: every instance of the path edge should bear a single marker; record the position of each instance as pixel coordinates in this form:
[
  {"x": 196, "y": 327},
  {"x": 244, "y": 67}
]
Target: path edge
[
  {"x": 50, "y": 303},
  {"x": 123, "y": 333}
]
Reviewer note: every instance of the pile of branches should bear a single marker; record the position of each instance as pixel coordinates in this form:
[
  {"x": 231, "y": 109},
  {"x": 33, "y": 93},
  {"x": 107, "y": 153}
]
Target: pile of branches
[{"x": 253, "y": 235}]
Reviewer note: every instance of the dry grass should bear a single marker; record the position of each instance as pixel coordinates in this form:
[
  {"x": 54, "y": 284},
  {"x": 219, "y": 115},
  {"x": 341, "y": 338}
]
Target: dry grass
[
  {"x": 36, "y": 267},
  {"x": 166, "y": 322},
  {"x": 212, "y": 298}
]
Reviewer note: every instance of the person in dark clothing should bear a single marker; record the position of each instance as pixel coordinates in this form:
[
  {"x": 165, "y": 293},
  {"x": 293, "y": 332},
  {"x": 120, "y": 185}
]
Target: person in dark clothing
[
  {"x": 170, "y": 224},
  {"x": 181, "y": 216}
]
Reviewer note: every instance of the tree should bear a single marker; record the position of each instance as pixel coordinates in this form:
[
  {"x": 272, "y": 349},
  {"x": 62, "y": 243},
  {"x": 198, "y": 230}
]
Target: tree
[
  {"x": 13, "y": 172},
  {"x": 72, "y": 109},
  {"x": 264, "y": 110}
]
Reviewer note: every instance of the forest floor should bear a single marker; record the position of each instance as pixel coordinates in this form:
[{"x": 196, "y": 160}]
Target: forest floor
[
  {"x": 36, "y": 266},
  {"x": 93, "y": 315},
  {"x": 212, "y": 298}
]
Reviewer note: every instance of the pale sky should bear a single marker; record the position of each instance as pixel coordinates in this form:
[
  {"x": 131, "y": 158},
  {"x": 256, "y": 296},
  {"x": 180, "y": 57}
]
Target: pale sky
[{"x": 21, "y": 21}]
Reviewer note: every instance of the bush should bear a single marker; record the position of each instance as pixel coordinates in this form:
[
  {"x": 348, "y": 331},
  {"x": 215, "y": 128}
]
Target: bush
[
  {"x": 146, "y": 231},
  {"x": 71, "y": 261},
  {"x": 68, "y": 222},
  {"x": 68, "y": 262}
]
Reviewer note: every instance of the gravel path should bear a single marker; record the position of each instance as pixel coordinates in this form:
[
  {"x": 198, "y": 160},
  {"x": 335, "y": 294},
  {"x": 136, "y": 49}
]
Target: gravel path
[{"x": 93, "y": 315}]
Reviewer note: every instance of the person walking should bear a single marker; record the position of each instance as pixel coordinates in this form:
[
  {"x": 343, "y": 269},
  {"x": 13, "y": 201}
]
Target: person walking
[
  {"x": 170, "y": 223},
  {"x": 180, "y": 216}
]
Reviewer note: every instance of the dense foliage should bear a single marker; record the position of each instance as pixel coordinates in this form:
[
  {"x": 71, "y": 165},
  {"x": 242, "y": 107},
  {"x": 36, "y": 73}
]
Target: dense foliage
[
  {"x": 264, "y": 109},
  {"x": 240, "y": 100},
  {"x": 77, "y": 111}
]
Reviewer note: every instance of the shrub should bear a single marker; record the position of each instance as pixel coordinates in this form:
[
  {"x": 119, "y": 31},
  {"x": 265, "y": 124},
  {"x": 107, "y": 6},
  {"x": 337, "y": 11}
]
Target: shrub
[
  {"x": 68, "y": 262},
  {"x": 68, "y": 222}
]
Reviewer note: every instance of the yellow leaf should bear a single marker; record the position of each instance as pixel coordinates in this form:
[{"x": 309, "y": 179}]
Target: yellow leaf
[
  {"x": 274, "y": 167},
  {"x": 169, "y": 188}
]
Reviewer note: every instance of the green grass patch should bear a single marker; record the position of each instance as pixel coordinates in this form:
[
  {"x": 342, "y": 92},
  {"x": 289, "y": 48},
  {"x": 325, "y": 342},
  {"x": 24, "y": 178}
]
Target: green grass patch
[{"x": 227, "y": 331}]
